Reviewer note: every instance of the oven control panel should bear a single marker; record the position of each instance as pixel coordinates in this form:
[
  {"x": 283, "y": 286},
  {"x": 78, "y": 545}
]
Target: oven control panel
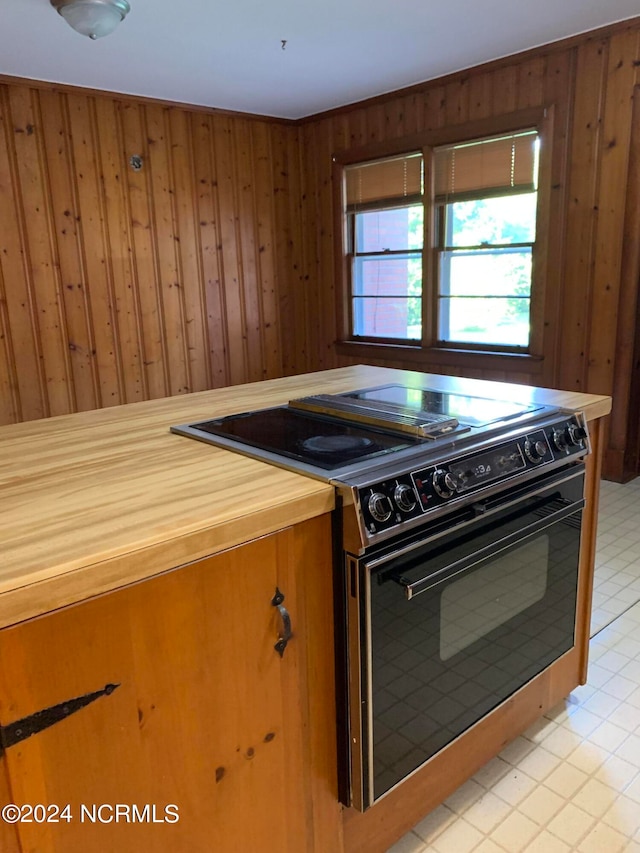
[{"x": 389, "y": 503}]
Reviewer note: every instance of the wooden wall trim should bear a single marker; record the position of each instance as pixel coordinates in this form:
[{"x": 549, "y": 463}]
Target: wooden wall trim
[{"x": 462, "y": 359}]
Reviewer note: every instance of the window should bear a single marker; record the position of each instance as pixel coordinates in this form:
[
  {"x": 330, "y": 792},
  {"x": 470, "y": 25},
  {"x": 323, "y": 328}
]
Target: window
[
  {"x": 386, "y": 227},
  {"x": 441, "y": 243},
  {"x": 485, "y": 204}
]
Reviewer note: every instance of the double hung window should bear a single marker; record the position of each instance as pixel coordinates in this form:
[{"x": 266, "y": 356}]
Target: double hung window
[
  {"x": 485, "y": 202},
  {"x": 440, "y": 244},
  {"x": 386, "y": 232}
]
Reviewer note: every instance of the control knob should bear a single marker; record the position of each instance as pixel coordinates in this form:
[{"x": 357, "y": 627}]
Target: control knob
[
  {"x": 404, "y": 496},
  {"x": 535, "y": 451},
  {"x": 576, "y": 434},
  {"x": 380, "y": 506},
  {"x": 444, "y": 483},
  {"x": 561, "y": 438}
]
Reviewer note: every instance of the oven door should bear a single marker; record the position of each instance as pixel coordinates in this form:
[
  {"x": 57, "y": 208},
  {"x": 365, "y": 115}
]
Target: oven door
[{"x": 444, "y": 628}]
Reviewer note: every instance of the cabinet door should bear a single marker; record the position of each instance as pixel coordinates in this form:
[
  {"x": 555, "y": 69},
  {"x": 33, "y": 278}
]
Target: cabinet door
[
  {"x": 184, "y": 706},
  {"x": 8, "y": 833}
]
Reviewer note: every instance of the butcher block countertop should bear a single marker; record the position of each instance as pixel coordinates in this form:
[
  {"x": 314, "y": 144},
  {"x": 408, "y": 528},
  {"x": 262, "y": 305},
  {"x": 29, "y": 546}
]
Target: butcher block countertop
[{"x": 94, "y": 501}]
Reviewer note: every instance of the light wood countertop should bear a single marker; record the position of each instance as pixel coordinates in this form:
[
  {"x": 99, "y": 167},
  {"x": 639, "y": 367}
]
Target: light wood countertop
[{"x": 93, "y": 501}]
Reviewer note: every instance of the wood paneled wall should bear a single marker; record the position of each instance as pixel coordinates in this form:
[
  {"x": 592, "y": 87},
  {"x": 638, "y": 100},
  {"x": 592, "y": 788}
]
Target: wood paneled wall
[
  {"x": 591, "y": 293},
  {"x": 119, "y": 285},
  {"x": 215, "y": 263}
]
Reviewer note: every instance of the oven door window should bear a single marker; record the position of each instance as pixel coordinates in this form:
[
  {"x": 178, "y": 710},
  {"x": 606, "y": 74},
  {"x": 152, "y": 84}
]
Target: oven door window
[
  {"x": 456, "y": 629},
  {"x": 479, "y": 603}
]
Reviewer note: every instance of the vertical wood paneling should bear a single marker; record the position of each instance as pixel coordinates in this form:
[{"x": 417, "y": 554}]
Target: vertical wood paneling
[
  {"x": 411, "y": 117},
  {"x": 305, "y": 309},
  {"x": 188, "y": 254},
  {"x": 582, "y": 214},
  {"x": 480, "y": 96},
  {"x": 246, "y": 237},
  {"x": 7, "y": 358},
  {"x": 457, "y": 101},
  {"x": 434, "y": 103},
  {"x": 145, "y": 261},
  {"x": 64, "y": 216},
  {"x": 120, "y": 270},
  {"x": 211, "y": 255},
  {"x": 326, "y": 262},
  {"x": 376, "y": 121},
  {"x": 504, "y": 86},
  {"x": 20, "y": 331},
  {"x": 119, "y": 285},
  {"x": 85, "y": 131},
  {"x": 33, "y": 178},
  {"x": 624, "y": 423},
  {"x": 168, "y": 277},
  {"x": 558, "y": 84},
  {"x": 394, "y": 119},
  {"x": 261, "y": 143},
  {"x": 589, "y": 86},
  {"x": 284, "y": 241},
  {"x": 358, "y": 125},
  {"x": 291, "y": 248},
  {"x": 231, "y": 258},
  {"x": 616, "y": 131},
  {"x": 304, "y": 260},
  {"x": 531, "y": 82}
]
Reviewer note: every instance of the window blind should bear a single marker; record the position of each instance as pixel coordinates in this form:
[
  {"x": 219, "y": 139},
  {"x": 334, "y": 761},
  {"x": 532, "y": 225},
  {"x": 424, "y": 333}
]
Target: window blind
[
  {"x": 490, "y": 166},
  {"x": 384, "y": 182}
]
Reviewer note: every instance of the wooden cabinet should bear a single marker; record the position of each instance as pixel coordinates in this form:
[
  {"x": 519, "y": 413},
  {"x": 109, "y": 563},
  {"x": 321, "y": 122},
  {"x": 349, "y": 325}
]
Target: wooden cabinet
[{"x": 194, "y": 708}]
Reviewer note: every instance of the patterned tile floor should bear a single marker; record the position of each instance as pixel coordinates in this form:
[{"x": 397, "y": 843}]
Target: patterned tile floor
[{"x": 571, "y": 782}]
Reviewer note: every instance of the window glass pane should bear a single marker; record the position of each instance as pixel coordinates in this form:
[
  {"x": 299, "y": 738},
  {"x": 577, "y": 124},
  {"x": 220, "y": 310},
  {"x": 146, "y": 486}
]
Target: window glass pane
[
  {"x": 387, "y": 317},
  {"x": 396, "y": 275},
  {"x": 486, "y": 272},
  {"x": 507, "y": 219},
  {"x": 389, "y": 230},
  {"x": 485, "y": 320}
]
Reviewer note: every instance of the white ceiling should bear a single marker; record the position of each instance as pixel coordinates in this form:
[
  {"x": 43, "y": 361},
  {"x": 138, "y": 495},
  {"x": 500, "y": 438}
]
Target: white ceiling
[{"x": 228, "y": 53}]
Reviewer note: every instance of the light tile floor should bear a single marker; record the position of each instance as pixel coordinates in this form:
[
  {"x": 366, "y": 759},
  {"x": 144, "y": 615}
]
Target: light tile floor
[{"x": 571, "y": 782}]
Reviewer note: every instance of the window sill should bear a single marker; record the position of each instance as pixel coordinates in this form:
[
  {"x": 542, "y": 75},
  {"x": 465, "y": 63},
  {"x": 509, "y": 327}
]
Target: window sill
[{"x": 429, "y": 356}]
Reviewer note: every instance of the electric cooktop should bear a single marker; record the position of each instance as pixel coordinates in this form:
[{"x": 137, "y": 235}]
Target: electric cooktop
[{"x": 331, "y": 435}]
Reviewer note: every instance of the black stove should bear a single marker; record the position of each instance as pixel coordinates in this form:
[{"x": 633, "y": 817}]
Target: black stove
[
  {"x": 399, "y": 455},
  {"x": 456, "y": 543}
]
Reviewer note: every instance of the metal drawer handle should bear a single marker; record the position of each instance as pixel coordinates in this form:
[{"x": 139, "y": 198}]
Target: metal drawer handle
[{"x": 281, "y": 645}]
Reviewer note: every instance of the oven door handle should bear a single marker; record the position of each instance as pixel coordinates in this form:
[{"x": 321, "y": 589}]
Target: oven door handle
[{"x": 413, "y": 588}]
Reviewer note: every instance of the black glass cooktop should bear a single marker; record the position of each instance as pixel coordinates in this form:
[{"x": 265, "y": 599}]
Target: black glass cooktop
[{"x": 315, "y": 440}]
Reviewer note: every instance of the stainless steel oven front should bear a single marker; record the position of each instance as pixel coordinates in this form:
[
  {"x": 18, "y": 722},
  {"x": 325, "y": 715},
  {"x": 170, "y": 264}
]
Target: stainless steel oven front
[{"x": 446, "y": 624}]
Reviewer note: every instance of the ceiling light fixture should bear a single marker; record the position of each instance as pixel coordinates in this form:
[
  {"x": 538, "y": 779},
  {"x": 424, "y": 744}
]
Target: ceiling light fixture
[{"x": 93, "y": 18}]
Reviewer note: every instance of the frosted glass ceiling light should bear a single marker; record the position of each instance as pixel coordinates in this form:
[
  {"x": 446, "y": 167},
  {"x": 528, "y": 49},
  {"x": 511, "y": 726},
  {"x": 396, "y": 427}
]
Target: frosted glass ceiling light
[{"x": 93, "y": 18}]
